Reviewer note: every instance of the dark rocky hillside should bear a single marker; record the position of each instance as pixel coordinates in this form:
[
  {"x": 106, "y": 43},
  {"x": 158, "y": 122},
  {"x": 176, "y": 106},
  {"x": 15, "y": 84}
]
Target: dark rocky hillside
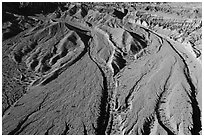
[{"x": 101, "y": 68}]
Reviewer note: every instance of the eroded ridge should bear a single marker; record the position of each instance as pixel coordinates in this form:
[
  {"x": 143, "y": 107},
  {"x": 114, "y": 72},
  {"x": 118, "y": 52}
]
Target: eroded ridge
[
  {"x": 94, "y": 69},
  {"x": 153, "y": 97}
]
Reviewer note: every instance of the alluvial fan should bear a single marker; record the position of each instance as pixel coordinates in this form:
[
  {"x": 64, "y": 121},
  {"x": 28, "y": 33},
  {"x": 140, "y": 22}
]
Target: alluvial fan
[{"x": 101, "y": 68}]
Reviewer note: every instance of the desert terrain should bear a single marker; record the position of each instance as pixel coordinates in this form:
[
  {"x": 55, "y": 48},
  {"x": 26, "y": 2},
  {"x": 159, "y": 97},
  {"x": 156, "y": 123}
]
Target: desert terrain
[{"x": 101, "y": 68}]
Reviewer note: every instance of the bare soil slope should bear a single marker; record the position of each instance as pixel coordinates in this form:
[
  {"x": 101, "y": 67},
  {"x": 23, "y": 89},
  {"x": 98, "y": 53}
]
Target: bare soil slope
[{"x": 106, "y": 68}]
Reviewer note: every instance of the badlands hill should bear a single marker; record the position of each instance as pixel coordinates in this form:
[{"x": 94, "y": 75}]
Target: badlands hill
[{"x": 101, "y": 68}]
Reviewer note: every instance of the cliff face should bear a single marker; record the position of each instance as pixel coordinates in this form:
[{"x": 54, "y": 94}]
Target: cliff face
[{"x": 105, "y": 68}]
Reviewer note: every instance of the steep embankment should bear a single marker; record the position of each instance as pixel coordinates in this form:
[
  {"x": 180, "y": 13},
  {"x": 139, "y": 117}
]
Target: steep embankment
[{"x": 90, "y": 71}]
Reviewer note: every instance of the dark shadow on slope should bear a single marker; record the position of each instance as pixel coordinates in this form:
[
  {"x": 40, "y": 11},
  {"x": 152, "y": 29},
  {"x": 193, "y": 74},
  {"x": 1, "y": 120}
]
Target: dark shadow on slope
[
  {"x": 12, "y": 31},
  {"x": 115, "y": 68},
  {"x": 73, "y": 10},
  {"x": 17, "y": 14},
  {"x": 196, "y": 116},
  {"x": 120, "y": 14},
  {"x": 139, "y": 39},
  {"x": 18, "y": 56},
  {"x": 118, "y": 62},
  {"x": 55, "y": 59},
  {"x": 84, "y": 10},
  {"x": 34, "y": 64},
  {"x": 30, "y": 8}
]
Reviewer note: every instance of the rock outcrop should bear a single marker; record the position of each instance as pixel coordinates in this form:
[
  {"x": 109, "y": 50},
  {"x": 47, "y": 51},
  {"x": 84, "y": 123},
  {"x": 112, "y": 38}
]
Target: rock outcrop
[{"x": 105, "y": 68}]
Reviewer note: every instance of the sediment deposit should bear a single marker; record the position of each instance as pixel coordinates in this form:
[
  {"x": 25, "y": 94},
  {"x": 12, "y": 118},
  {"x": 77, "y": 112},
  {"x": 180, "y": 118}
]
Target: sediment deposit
[{"x": 101, "y": 68}]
